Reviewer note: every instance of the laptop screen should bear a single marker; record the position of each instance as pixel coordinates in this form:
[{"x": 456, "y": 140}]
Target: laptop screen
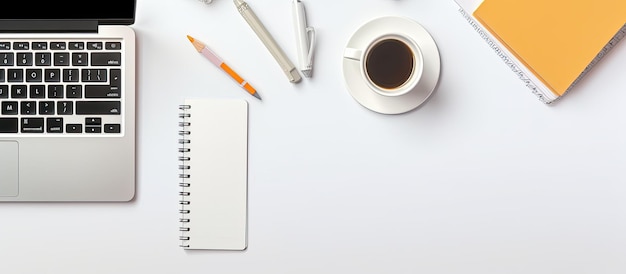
[{"x": 106, "y": 11}]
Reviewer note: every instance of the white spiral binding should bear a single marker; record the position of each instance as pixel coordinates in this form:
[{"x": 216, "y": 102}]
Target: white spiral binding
[{"x": 184, "y": 168}]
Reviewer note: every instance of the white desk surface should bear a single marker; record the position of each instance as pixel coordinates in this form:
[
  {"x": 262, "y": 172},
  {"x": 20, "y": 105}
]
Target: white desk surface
[{"x": 482, "y": 179}]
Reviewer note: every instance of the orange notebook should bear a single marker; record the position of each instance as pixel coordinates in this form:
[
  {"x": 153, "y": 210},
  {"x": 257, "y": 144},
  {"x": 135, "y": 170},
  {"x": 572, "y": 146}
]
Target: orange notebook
[{"x": 557, "y": 40}]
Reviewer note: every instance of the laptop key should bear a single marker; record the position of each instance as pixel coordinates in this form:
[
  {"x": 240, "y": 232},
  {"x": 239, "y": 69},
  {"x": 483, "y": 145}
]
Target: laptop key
[
  {"x": 8, "y": 125},
  {"x": 94, "y": 45},
  {"x": 52, "y": 75},
  {"x": 28, "y": 107},
  {"x": 15, "y": 75},
  {"x": 57, "y": 45},
  {"x": 55, "y": 91},
  {"x": 116, "y": 79},
  {"x": 112, "y": 128},
  {"x": 113, "y": 45},
  {"x": 93, "y": 130},
  {"x": 34, "y": 75},
  {"x": 101, "y": 91},
  {"x": 74, "y": 128},
  {"x": 93, "y": 121},
  {"x": 65, "y": 108},
  {"x": 61, "y": 59},
  {"x": 54, "y": 125},
  {"x": 77, "y": 45},
  {"x": 21, "y": 45},
  {"x": 80, "y": 58},
  {"x": 70, "y": 75},
  {"x": 74, "y": 91},
  {"x": 43, "y": 59},
  {"x": 98, "y": 107},
  {"x": 9, "y": 108},
  {"x": 94, "y": 75},
  {"x": 18, "y": 91},
  {"x": 46, "y": 107},
  {"x": 32, "y": 125},
  {"x": 40, "y": 45},
  {"x": 25, "y": 59},
  {"x": 37, "y": 91},
  {"x": 106, "y": 59},
  {"x": 6, "y": 59}
]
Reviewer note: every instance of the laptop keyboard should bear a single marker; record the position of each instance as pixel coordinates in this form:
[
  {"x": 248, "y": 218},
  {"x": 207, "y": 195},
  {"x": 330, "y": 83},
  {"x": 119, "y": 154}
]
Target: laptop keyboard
[{"x": 53, "y": 88}]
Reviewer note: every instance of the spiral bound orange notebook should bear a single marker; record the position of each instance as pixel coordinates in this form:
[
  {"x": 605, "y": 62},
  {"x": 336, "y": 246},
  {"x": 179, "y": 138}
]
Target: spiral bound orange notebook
[
  {"x": 557, "y": 40},
  {"x": 214, "y": 164}
]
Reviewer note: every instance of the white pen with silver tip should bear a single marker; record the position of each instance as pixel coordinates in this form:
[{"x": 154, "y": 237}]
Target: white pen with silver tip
[{"x": 305, "y": 38}]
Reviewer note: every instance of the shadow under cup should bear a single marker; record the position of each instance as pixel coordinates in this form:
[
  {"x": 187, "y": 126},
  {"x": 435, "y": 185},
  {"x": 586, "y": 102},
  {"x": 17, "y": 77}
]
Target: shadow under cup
[{"x": 391, "y": 65}]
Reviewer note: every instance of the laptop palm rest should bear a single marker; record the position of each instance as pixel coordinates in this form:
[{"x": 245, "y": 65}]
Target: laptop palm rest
[{"x": 9, "y": 157}]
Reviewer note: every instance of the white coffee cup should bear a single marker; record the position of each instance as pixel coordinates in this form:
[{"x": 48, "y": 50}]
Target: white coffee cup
[{"x": 391, "y": 64}]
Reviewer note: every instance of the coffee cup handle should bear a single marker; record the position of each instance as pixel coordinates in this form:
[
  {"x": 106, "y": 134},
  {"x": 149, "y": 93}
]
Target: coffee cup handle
[{"x": 354, "y": 54}]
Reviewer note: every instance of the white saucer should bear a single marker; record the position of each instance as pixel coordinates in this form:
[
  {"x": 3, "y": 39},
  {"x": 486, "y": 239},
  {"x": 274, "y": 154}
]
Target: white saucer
[{"x": 356, "y": 82}]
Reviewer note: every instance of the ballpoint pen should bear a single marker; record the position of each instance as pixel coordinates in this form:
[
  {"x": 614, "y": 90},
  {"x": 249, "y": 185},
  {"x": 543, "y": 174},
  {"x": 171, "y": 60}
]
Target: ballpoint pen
[
  {"x": 288, "y": 68},
  {"x": 305, "y": 38},
  {"x": 216, "y": 60}
]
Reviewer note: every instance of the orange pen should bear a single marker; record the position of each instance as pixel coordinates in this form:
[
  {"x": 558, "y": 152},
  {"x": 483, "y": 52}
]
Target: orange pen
[{"x": 204, "y": 50}]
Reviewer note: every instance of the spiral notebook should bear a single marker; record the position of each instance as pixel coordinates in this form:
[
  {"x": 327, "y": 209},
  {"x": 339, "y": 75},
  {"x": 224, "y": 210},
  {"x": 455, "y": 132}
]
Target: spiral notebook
[
  {"x": 213, "y": 163},
  {"x": 550, "y": 45}
]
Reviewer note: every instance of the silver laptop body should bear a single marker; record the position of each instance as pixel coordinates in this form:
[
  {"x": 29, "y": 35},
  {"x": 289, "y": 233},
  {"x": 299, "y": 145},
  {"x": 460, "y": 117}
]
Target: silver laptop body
[{"x": 67, "y": 101}]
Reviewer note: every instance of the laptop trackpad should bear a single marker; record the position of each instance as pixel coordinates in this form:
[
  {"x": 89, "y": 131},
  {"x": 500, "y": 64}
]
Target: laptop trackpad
[{"x": 8, "y": 168}]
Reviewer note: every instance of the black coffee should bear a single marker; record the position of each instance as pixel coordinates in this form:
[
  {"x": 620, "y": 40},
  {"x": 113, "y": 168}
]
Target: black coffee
[{"x": 389, "y": 63}]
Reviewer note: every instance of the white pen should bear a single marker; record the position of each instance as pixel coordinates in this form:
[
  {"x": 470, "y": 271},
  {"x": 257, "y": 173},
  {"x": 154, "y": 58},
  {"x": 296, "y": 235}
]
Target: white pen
[
  {"x": 305, "y": 38},
  {"x": 288, "y": 68}
]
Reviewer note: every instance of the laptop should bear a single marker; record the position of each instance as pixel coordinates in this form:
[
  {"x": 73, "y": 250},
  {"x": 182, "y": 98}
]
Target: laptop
[{"x": 67, "y": 101}]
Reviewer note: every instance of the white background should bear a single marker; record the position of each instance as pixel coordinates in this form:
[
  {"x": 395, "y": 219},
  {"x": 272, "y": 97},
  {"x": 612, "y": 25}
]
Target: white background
[{"x": 483, "y": 179}]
